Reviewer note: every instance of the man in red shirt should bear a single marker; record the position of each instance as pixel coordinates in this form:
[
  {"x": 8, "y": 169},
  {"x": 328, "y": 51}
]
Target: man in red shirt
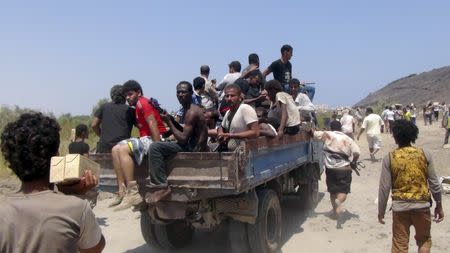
[{"x": 129, "y": 152}]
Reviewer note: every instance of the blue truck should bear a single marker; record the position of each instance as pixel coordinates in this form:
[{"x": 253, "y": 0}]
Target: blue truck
[{"x": 242, "y": 189}]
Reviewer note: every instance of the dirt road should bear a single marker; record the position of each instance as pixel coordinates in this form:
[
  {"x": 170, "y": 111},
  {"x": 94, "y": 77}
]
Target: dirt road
[{"x": 308, "y": 232}]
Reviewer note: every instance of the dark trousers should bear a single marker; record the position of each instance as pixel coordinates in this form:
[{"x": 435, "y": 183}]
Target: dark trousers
[
  {"x": 436, "y": 115},
  {"x": 447, "y": 134},
  {"x": 158, "y": 155},
  {"x": 292, "y": 130}
]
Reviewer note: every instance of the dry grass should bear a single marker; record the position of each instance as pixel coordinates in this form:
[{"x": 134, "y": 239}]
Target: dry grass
[{"x": 66, "y": 122}]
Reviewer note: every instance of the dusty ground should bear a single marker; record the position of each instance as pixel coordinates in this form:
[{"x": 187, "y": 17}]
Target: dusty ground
[{"x": 303, "y": 232}]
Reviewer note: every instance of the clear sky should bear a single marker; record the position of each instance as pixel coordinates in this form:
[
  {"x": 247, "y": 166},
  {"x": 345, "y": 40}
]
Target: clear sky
[{"x": 63, "y": 56}]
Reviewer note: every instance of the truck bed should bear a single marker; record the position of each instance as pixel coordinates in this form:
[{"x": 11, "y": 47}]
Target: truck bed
[{"x": 196, "y": 175}]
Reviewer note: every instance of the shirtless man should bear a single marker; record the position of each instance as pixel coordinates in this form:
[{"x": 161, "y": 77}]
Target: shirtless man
[{"x": 192, "y": 137}]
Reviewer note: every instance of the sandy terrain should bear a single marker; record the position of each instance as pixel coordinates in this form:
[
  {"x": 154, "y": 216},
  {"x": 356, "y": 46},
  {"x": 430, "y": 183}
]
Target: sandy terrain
[{"x": 302, "y": 232}]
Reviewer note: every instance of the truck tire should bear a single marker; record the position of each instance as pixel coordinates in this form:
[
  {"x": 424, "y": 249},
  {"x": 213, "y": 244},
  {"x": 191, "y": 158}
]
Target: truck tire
[
  {"x": 265, "y": 235},
  {"x": 309, "y": 195},
  {"x": 175, "y": 235},
  {"x": 238, "y": 236},
  {"x": 148, "y": 231}
]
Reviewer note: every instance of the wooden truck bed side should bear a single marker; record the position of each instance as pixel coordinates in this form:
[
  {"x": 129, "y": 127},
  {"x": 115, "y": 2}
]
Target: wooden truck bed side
[{"x": 197, "y": 175}]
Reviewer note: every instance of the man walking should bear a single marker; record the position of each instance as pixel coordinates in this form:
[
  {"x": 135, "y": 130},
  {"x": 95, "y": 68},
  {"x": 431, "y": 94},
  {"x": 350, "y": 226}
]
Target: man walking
[
  {"x": 409, "y": 173},
  {"x": 348, "y": 124},
  {"x": 372, "y": 124},
  {"x": 446, "y": 125},
  {"x": 338, "y": 149}
]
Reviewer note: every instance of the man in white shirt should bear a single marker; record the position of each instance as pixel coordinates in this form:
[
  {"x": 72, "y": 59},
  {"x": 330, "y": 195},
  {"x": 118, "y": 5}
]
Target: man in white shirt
[
  {"x": 240, "y": 122},
  {"x": 372, "y": 124},
  {"x": 348, "y": 124},
  {"x": 209, "y": 84},
  {"x": 234, "y": 72},
  {"x": 289, "y": 114},
  {"x": 340, "y": 156}
]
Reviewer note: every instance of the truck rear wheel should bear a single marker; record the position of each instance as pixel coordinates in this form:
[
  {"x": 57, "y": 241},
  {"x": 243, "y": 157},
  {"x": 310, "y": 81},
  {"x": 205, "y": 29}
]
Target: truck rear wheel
[
  {"x": 148, "y": 231},
  {"x": 166, "y": 236},
  {"x": 175, "y": 235},
  {"x": 238, "y": 236},
  {"x": 309, "y": 195},
  {"x": 265, "y": 235}
]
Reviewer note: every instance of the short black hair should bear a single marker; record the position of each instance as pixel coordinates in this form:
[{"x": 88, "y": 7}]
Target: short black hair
[
  {"x": 369, "y": 110},
  {"x": 243, "y": 84},
  {"x": 404, "y": 132},
  {"x": 236, "y": 65},
  {"x": 295, "y": 81},
  {"x": 199, "y": 83},
  {"x": 273, "y": 85},
  {"x": 335, "y": 125},
  {"x": 117, "y": 95},
  {"x": 81, "y": 129},
  {"x": 28, "y": 145},
  {"x": 204, "y": 70},
  {"x": 234, "y": 86},
  {"x": 254, "y": 73},
  {"x": 285, "y": 48},
  {"x": 132, "y": 85},
  {"x": 253, "y": 59},
  {"x": 188, "y": 84}
]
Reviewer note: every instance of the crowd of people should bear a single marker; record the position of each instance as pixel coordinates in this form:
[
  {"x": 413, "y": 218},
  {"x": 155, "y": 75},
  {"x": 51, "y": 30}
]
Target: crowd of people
[{"x": 242, "y": 106}]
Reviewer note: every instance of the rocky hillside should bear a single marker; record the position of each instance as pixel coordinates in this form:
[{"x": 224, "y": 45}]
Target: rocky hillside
[{"x": 433, "y": 85}]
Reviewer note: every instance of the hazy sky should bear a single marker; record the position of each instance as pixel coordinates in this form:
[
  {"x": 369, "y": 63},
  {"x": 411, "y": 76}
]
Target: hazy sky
[{"x": 63, "y": 56}]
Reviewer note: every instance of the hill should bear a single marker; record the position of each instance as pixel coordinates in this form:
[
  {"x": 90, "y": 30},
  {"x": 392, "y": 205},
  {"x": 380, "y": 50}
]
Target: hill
[{"x": 433, "y": 85}]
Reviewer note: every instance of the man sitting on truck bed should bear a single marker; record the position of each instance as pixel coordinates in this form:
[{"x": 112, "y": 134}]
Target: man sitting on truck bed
[
  {"x": 290, "y": 116},
  {"x": 128, "y": 152},
  {"x": 240, "y": 122},
  {"x": 192, "y": 137}
]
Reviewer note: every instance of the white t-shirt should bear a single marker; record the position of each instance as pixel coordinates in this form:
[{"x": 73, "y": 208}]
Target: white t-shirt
[
  {"x": 336, "y": 143},
  {"x": 304, "y": 103},
  {"x": 390, "y": 115},
  {"x": 292, "y": 111},
  {"x": 244, "y": 116},
  {"x": 372, "y": 124},
  {"x": 228, "y": 79},
  {"x": 347, "y": 123}
]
